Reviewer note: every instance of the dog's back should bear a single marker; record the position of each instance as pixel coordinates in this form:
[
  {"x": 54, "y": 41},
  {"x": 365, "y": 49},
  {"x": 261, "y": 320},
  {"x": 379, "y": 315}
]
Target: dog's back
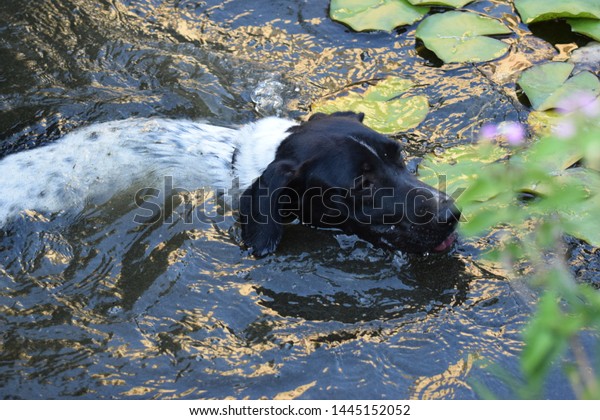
[{"x": 93, "y": 163}]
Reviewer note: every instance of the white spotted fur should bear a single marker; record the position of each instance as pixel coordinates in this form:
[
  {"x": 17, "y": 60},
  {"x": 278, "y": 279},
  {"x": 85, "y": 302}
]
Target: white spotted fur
[{"x": 94, "y": 163}]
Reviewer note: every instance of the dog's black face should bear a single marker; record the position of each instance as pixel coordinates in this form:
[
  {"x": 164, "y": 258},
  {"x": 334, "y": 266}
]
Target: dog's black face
[{"x": 334, "y": 172}]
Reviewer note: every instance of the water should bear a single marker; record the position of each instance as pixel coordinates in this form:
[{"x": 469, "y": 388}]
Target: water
[{"x": 92, "y": 306}]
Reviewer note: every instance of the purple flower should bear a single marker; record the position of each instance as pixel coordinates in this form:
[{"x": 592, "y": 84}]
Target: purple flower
[
  {"x": 583, "y": 101},
  {"x": 513, "y": 132},
  {"x": 592, "y": 109},
  {"x": 488, "y": 131},
  {"x": 565, "y": 129}
]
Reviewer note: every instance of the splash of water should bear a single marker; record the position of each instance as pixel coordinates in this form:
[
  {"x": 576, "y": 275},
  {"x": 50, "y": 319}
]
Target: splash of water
[{"x": 268, "y": 97}]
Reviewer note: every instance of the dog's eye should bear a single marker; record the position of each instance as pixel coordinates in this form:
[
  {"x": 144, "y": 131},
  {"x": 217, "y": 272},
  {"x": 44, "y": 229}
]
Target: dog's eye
[{"x": 393, "y": 151}]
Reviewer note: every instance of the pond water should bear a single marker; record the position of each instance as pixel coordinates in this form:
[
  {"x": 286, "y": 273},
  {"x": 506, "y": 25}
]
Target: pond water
[{"x": 93, "y": 306}]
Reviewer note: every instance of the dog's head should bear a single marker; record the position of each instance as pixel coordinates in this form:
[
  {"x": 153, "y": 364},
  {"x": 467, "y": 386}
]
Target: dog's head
[{"x": 332, "y": 171}]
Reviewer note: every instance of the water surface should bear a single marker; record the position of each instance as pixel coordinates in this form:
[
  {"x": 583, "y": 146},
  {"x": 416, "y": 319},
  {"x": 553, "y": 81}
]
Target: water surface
[{"x": 94, "y": 306}]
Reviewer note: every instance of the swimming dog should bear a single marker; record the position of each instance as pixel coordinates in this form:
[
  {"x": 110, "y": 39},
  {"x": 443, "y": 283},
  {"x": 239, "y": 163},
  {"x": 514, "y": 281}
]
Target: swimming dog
[{"x": 330, "y": 171}]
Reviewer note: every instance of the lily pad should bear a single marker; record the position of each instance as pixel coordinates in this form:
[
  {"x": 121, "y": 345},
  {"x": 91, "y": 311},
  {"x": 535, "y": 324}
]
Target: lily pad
[
  {"x": 458, "y": 37},
  {"x": 450, "y": 3},
  {"x": 557, "y": 154},
  {"x": 388, "y": 88},
  {"x": 385, "y": 15},
  {"x": 584, "y": 221},
  {"x": 548, "y": 84},
  {"x": 589, "y": 27},
  {"x": 538, "y": 10},
  {"x": 384, "y": 111},
  {"x": 543, "y": 123}
]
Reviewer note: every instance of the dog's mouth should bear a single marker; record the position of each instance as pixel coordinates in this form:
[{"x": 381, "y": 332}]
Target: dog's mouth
[
  {"x": 446, "y": 243},
  {"x": 403, "y": 238}
]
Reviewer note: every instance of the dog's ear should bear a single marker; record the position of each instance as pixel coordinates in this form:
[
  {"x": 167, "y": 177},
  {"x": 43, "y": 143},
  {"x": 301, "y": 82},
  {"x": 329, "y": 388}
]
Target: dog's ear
[
  {"x": 346, "y": 114},
  {"x": 318, "y": 116},
  {"x": 260, "y": 208}
]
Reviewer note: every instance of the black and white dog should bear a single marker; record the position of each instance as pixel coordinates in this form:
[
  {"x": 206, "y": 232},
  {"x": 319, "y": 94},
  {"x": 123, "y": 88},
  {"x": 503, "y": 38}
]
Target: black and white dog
[{"x": 330, "y": 171}]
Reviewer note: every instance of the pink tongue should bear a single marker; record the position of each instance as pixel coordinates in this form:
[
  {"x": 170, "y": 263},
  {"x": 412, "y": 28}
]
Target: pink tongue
[{"x": 445, "y": 244}]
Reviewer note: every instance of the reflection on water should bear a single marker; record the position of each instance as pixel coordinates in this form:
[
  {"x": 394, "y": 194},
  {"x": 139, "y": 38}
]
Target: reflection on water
[{"x": 94, "y": 306}]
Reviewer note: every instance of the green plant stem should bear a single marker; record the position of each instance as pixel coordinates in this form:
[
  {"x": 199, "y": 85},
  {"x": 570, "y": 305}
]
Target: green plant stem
[{"x": 591, "y": 388}]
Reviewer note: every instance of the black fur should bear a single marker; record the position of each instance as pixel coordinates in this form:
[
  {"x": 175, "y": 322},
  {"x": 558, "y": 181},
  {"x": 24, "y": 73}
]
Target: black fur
[{"x": 334, "y": 172}]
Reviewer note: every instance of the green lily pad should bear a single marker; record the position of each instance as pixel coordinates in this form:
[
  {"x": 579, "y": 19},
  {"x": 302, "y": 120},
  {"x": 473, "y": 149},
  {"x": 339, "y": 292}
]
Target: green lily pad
[
  {"x": 548, "y": 84},
  {"x": 450, "y": 3},
  {"x": 557, "y": 154},
  {"x": 458, "y": 37},
  {"x": 385, "y": 15},
  {"x": 388, "y": 88},
  {"x": 589, "y": 27},
  {"x": 539, "y": 10},
  {"x": 583, "y": 221},
  {"x": 384, "y": 111},
  {"x": 544, "y": 122}
]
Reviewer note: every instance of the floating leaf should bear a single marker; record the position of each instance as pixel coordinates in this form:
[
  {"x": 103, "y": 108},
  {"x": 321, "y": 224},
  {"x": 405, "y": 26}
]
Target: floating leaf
[
  {"x": 589, "y": 27},
  {"x": 450, "y": 3},
  {"x": 544, "y": 122},
  {"x": 539, "y": 10},
  {"x": 583, "y": 221},
  {"x": 458, "y": 37},
  {"x": 548, "y": 84},
  {"x": 557, "y": 154},
  {"x": 363, "y": 15},
  {"x": 387, "y": 89},
  {"x": 383, "y": 111}
]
